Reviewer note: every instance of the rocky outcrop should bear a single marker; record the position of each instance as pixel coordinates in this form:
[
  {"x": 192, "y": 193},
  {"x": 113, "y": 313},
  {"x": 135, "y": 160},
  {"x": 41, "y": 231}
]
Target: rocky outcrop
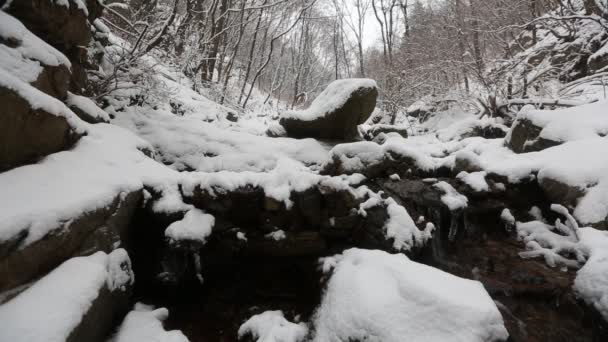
[
  {"x": 65, "y": 26},
  {"x": 99, "y": 230},
  {"x": 335, "y": 113}
]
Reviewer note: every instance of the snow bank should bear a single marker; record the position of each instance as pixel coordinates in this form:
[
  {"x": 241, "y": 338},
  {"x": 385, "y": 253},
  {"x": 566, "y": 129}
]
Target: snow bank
[
  {"x": 189, "y": 143},
  {"x": 271, "y": 326},
  {"x": 144, "y": 323},
  {"x": 53, "y": 306},
  {"x": 195, "y": 226},
  {"x": 333, "y": 97},
  {"x": 376, "y": 296}
]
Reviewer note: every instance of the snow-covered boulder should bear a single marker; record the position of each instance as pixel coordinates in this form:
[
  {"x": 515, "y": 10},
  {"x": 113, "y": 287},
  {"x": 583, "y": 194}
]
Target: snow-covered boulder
[
  {"x": 535, "y": 130},
  {"x": 336, "y": 112},
  {"x": 375, "y": 296},
  {"x": 77, "y": 301}
]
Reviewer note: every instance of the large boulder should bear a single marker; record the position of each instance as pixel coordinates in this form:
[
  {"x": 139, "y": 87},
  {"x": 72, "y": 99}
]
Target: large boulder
[
  {"x": 336, "y": 112},
  {"x": 29, "y": 131},
  {"x": 98, "y": 230},
  {"x": 80, "y": 300}
]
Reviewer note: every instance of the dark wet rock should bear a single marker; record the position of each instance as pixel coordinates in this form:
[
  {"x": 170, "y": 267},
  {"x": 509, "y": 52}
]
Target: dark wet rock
[
  {"x": 525, "y": 137},
  {"x": 371, "y": 132},
  {"x": 27, "y": 133},
  {"x": 92, "y": 231},
  {"x": 339, "y": 123}
]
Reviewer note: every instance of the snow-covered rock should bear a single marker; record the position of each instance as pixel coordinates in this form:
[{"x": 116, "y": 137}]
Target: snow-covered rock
[
  {"x": 144, "y": 323},
  {"x": 195, "y": 226},
  {"x": 336, "y": 112},
  {"x": 375, "y": 296},
  {"x": 48, "y": 210},
  {"x": 271, "y": 326},
  {"x": 534, "y": 130},
  {"x": 77, "y": 301}
]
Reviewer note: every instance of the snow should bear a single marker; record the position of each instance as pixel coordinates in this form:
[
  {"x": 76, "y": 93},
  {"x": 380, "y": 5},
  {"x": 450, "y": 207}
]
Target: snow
[
  {"x": 144, "y": 323},
  {"x": 188, "y": 142},
  {"x": 40, "y": 100},
  {"x": 30, "y": 46},
  {"x": 278, "y": 183},
  {"x": 565, "y": 244},
  {"x": 195, "y": 226},
  {"x": 591, "y": 281},
  {"x": 43, "y": 197},
  {"x": 507, "y": 217},
  {"x": 451, "y": 198},
  {"x": 271, "y": 326},
  {"x": 401, "y": 228},
  {"x": 574, "y": 123},
  {"x": 78, "y": 3},
  {"x": 333, "y": 97},
  {"x": 466, "y": 125},
  {"x": 277, "y": 235},
  {"x": 476, "y": 180},
  {"x": 53, "y": 306},
  {"x": 376, "y": 296},
  {"x": 120, "y": 273},
  {"x": 88, "y": 106}
]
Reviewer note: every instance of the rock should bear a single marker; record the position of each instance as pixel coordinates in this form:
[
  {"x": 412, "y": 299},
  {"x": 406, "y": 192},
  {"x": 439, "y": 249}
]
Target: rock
[
  {"x": 28, "y": 133},
  {"x": 335, "y": 113},
  {"x": 64, "y": 26},
  {"x": 232, "y": 116},
  {"x": 84, "y": 295},
  {"x": 560, "y": 192},
  {"x": 92, "y": 231},
  {"x": 525, "y": 137},
  {"x": 371, "y": 132}
]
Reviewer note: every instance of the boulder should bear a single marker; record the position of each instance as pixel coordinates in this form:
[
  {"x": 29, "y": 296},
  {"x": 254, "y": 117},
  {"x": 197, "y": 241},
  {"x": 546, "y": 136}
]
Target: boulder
[
  {"x": 99, "y": 230},
  {"x": 525, "y": 137},
  {"x": 335, "y": 113},
  {"x": 28, "y": 131},
  {"x": 64, "y": 25},
  {"x": 80, "y": 300}
]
